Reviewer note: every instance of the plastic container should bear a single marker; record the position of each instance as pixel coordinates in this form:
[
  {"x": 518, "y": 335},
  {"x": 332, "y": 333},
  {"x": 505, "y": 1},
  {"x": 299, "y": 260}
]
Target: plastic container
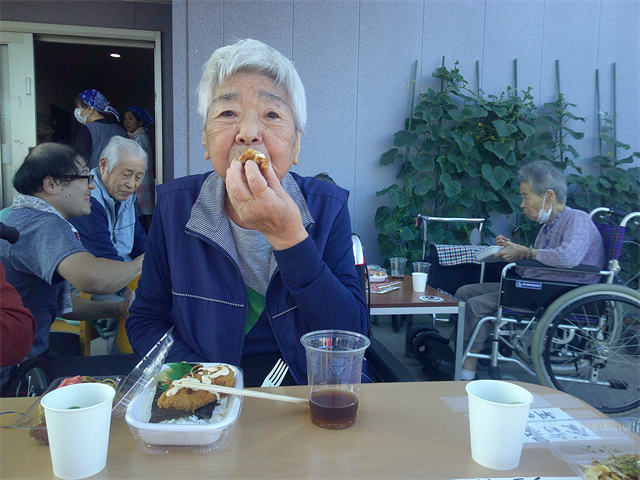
[
  {"x": 580, "y": 442},
  {"x": 376, "y": 273},
  {"x": 159, "y": 438},
  {"x": 127, "y": 388}
]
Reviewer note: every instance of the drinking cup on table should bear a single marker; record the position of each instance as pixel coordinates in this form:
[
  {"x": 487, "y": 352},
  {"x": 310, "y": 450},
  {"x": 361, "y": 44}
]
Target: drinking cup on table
[
  {"x": 78, "y": 421},
  {"x": 498, "y": 413},
  {"x": 422, "y": 267},
  {"x": 334, "y": 371},
  {"x": 419, "y": 281},
  {"x": 397, "y": 266}
]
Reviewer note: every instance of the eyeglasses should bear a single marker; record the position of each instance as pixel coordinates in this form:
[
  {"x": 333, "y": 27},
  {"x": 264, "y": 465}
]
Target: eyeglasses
[{"x": 89, "y": 177}]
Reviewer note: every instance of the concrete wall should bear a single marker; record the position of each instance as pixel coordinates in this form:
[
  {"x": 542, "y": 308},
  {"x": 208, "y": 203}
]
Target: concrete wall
[
  {"x": 111, "y": 14},
  {"x": 355, "y": 58}
]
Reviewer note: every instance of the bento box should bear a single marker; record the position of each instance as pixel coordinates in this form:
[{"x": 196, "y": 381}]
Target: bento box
[
  {"x": 594, "y": 448},
  {"x": 204, "y": 437}
]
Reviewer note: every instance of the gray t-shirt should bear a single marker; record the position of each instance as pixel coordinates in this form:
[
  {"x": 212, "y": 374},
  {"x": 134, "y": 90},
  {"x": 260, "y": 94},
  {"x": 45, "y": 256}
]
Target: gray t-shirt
[{"x": 45, "y": 240}]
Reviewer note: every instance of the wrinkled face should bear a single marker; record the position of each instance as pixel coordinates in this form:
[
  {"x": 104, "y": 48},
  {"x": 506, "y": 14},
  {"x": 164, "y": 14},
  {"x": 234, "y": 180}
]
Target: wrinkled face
[
  {"x": 130, "y": 123},
  {"x": 532, "y": 202},
  {"x": 75, "y": 195},
  {"x": 124, "y": 180},
  {"x": 250, "y": 111}
]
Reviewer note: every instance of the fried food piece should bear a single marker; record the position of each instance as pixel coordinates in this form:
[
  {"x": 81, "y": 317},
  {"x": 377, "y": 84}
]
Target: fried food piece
[
  {"x": 191, "y": 398},
  {"x": 255, "y": 156}
]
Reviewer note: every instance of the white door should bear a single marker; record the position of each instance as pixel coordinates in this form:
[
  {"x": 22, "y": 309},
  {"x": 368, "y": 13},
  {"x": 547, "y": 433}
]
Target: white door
[{"x": 18, "y": 130}]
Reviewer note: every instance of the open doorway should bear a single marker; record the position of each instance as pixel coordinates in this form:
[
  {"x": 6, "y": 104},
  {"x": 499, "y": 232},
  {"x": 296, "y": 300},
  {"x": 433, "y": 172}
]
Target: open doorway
[{"x": 63, "y": 70}]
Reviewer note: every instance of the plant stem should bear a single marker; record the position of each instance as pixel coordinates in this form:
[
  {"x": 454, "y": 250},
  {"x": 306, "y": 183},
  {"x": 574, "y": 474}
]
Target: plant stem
[
  {"x": 599, "y": 112},
  {"x": 615, "y": 129}
]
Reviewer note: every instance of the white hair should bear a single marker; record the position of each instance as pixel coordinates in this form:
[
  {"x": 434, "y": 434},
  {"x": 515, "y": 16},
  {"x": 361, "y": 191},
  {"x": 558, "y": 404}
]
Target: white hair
[
  {"x": 119, "y": 145},
  {"x": 250, "y": 55}
]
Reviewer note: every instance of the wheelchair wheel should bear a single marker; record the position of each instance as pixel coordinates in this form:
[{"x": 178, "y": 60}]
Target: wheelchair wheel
[{"x": 578, "y": 347}]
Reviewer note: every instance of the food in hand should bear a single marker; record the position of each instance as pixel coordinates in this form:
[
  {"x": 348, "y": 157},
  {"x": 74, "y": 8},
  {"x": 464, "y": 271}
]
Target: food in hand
[
  {"x": 616, "y": 467},
  {"x": 182, "y": 397},
  {"x": 255, "y": 156}
]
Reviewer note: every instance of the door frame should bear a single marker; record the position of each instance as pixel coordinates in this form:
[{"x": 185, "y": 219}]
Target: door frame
[{"x": 106, "y": 36}]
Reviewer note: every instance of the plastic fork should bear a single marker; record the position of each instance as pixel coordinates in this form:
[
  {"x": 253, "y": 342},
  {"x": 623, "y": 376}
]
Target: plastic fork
[{"x": 276, "y": 375}]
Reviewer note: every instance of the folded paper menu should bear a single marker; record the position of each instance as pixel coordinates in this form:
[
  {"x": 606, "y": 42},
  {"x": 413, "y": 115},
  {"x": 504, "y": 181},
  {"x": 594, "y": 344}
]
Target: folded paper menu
[{"x": 385, "y": 287}]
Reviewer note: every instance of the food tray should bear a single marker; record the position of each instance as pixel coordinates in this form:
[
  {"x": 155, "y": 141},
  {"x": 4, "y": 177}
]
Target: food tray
[
  {"x": 487, "y": 255},
  {"x": 33, "y": 417},
  {"x": 158, "y": 438},
  {"x": 580, "y": 442},
  {"x": 376, "y": 273}
]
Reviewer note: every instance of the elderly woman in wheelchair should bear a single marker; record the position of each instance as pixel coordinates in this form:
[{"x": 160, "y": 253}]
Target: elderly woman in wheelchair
[{"x": 558, "y": 308}]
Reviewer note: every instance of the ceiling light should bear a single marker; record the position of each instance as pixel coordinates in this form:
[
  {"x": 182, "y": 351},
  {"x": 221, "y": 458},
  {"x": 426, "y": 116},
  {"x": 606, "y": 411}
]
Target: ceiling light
[{"x": 115, "y": 55}]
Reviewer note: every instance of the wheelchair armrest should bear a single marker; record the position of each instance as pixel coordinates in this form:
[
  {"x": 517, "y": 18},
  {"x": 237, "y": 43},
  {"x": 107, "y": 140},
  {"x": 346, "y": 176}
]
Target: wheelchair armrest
[
  {"x": 536, "y": 264},
  {"x": 385, "y": 365}
]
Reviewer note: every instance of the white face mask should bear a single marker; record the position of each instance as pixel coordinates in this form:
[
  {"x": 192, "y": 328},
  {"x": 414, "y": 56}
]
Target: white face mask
[
  {"x": 77, "y": 113},
  {"x": 543, "y": 217}
]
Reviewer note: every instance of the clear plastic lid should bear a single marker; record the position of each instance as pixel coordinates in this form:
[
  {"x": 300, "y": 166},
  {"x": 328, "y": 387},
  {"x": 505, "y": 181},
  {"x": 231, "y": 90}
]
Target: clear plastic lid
[{"x": 142, "y": 374}]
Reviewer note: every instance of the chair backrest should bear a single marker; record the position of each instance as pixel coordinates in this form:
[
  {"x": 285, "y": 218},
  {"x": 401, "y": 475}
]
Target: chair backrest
[{"x": 612, "y": 237}]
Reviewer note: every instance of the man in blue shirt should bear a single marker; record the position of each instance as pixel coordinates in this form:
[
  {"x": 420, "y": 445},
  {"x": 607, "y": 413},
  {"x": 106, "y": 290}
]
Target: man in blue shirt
[{"x": 112, "y": 229}]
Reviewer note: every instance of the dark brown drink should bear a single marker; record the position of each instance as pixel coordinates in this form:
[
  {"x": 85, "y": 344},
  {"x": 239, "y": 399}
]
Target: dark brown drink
[{"x": 333, "y": 408}]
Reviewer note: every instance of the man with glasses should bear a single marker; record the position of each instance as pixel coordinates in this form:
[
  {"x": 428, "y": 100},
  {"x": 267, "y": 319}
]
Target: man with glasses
[
  {"x": 55, "y": 185},
  {"x": 112, "y": 229}
]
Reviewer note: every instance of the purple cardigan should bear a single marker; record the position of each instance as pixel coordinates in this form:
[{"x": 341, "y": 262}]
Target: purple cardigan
[{"x": 572, "y": 239}]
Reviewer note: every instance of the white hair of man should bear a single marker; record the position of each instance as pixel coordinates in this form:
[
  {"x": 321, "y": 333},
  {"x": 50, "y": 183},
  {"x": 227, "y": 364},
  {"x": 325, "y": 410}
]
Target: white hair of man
[
  {"x": 250, "y": 55},
  {"x": 118, "y": 146}
]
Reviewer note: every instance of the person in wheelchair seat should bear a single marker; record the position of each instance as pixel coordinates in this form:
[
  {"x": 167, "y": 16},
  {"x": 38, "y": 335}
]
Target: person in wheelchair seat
[{"x": 567, "y": 239}]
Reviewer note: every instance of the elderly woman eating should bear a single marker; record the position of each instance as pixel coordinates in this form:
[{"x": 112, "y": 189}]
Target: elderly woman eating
[
  {"x": 243, "y": 261},
  {"x": 567, "y": 239}
]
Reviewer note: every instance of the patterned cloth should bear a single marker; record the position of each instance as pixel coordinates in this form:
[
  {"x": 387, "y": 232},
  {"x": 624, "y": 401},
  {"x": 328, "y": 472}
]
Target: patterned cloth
[
  {"x": 98, "y": 101},
  {"x": 449, "y": 255},
  {"x": 145, "y": 116},
  {"x": 612, "y": 237}
]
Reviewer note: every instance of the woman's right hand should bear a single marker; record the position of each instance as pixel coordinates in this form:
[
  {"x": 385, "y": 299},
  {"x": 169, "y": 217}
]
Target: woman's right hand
[{"x": 502, "y": 241}]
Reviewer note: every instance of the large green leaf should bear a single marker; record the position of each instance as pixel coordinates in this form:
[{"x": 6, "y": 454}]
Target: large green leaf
[
  {"x": 451, "y": 187},
  {"x": 503, "y": 128},
  {"x": 407, "y": 234},
  {"x": 385, "y": 244},
  {"x": 404, "y": 138},
  {"x": 401, "y": 197},
  {"x": 497, "y": 177},
  {"x": 390, "y": 156},
  {"x": 423, "y": 162},
  {"x": 528, "y": 130},
  {"x": 423, "y": 183},
  {"x": 465, "y": 142},
  {"x": 500, "y": 149}
]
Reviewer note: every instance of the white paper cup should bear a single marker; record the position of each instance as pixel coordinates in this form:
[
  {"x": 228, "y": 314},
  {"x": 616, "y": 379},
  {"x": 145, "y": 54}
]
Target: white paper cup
[
  {"x": 419, "y": 281},
  {"x": 498, "y": 414},
  {"x": 78, "y": 421}
]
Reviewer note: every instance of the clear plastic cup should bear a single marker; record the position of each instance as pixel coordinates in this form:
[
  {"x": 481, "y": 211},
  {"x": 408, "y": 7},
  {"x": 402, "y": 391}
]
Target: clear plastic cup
[
  {"x": 397, "y": 266},
  {"x": 498, "y": 413},
  {"x": 422, "y": 267},
  {"x": 419, "y": 281},
  {"x": 78, "y": 422},
  {"x": 334, "y": 370}
]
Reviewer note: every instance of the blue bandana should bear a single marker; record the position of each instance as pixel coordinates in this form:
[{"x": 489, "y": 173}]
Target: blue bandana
[
  {"x": 98, "y": 101},
  {"x": 146, "y": 118}
]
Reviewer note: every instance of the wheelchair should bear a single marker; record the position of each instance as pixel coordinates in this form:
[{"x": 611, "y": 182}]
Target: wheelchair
[{"x": 580, "y": 339}]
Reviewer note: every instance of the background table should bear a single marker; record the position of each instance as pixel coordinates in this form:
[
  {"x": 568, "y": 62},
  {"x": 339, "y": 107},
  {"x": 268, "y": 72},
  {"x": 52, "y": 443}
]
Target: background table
[
  {"x": 405, "y": 301},
  {"x": 403, "y": 430}
]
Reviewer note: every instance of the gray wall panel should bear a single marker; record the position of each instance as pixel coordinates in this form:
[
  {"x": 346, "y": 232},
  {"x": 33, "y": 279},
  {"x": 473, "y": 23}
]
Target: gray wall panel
[
  {"x": 387, "y": 51},
  {"x": 329, "y": 71}
]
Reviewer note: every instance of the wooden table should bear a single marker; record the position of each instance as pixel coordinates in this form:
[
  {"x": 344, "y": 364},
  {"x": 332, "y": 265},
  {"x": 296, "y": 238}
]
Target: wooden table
[
  {"x": 403, "y": 430},
  {"x": 405, "y": 301}
]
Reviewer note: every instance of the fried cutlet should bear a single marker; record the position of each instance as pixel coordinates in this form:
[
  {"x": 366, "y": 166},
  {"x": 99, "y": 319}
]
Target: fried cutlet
[{"x": 191, "y": 398}]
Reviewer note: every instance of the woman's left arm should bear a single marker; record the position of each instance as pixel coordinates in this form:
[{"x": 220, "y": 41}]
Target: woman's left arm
[
  {"x": 325, "y": 284},
  {"x": 567, "y": 247}
]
